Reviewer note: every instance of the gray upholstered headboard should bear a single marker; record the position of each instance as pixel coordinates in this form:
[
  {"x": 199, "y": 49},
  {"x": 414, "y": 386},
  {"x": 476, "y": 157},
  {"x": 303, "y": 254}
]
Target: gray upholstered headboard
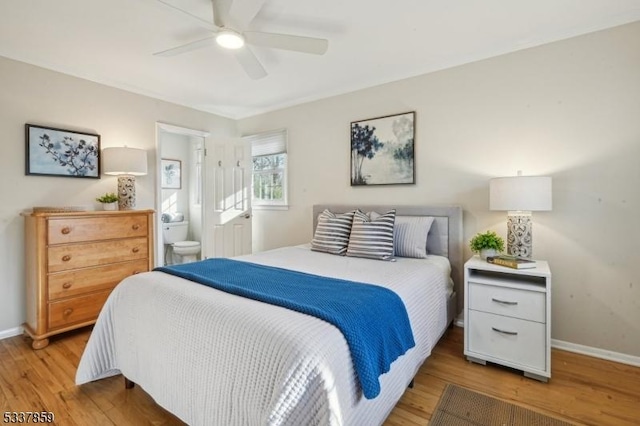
[{"x": 444, "y": 239}]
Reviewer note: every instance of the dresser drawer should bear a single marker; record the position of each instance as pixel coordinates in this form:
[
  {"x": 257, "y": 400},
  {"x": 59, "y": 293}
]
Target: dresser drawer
[
  {"x": 72, "y": 230},
  {"x": 516, "y": 303},
  {"x": 73, "y": 256},
  {"x": 76, "y": 310},
  {"x": 73, "y": 283},
  {"x": 493, "y": 336}
]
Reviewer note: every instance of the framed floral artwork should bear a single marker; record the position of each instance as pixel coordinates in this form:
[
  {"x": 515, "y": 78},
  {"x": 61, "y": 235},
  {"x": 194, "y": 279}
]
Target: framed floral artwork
[{"x": 60, "y": 152}]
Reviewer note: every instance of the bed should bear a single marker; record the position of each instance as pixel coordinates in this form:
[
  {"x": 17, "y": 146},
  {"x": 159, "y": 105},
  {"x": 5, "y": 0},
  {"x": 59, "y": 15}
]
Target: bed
[{"x": 214, "y": 358}]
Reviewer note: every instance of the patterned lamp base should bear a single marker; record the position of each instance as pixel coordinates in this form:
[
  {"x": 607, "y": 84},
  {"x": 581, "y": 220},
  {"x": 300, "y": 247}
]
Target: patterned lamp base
[
  {"x": 126, "y": 192},
  {"x": 519, "y": 238}
]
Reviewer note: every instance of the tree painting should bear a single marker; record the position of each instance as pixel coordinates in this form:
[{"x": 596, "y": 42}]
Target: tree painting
[
  {"x": 364, "y": 144},
  {"x": 382, "y": 150},
  {"x": 55, "y": 152}
]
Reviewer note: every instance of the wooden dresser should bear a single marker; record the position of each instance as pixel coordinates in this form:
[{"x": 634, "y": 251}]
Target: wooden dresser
[{"x": 73, "y": 261}]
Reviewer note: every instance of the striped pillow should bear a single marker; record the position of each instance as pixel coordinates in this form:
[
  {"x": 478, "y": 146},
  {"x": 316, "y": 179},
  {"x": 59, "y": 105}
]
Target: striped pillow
[
  {"x": 332, "y": 232},
  {"x": 372, "y": 239}
]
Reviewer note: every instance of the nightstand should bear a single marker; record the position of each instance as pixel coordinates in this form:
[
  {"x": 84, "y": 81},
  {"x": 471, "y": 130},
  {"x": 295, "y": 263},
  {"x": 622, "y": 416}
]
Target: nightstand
[{"x": 507, "y": 316}]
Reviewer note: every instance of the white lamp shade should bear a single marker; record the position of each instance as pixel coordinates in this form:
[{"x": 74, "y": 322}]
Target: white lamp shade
[
  {"x": 124, "y": 161},
  {"x": 524, "y": 193}
]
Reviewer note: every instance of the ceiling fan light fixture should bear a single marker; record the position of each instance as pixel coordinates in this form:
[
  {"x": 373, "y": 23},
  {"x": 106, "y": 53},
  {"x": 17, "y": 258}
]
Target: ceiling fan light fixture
[{"x": 230, "y": 39}]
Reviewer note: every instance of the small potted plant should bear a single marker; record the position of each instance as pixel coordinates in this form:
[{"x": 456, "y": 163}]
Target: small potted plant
[
  {"x": 109, "y": 201},
  {"x": 487, "y": 244}
]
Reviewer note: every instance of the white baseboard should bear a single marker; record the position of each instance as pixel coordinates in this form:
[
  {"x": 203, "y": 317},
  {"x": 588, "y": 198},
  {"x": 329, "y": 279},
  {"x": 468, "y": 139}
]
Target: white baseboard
[
  {"x": 5, "y": 334},
  {"x": 596, "y": 352}
]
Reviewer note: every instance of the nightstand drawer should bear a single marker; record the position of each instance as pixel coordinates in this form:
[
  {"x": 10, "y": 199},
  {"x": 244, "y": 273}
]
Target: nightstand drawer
[
  {"x": 508, "y": 339},
  {"x": 512, "y": 302}
]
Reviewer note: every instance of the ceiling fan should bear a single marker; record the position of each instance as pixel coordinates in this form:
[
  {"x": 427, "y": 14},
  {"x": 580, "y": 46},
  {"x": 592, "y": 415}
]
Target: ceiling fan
[{"x": 230, "y": 17}]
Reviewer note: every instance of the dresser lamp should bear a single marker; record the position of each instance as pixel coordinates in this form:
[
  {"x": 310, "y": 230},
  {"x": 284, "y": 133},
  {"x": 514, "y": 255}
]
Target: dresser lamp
[
  {"x": 519, "y": 196},
  {"x": 126, "y": 163}
]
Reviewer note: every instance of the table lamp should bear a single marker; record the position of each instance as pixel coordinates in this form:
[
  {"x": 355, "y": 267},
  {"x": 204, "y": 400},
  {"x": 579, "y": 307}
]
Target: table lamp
[
  {"x": 519, "y": 196},
  {"x": 126, "y": 163}
]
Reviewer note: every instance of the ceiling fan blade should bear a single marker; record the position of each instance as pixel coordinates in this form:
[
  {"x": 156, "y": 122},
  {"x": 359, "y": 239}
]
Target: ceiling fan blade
[
  {"x": 250, "y": 63},
  {"x": 316, "y": 46},
  {"x": 203, "y": 23},
  {"x": 205, "y": 42},
  {"x": 221, "y": 12},
  {"x": 243, "y": 11}
]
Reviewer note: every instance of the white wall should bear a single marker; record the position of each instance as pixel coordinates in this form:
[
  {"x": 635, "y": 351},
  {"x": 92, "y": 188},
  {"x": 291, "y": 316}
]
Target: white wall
[
  {"x": 29, "y": 94},
  {"x": 570, "y": 110}
]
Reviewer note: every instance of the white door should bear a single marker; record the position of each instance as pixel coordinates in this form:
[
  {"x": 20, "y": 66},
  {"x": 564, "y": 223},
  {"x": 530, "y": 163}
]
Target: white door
[{"x": 229, "y": 187}]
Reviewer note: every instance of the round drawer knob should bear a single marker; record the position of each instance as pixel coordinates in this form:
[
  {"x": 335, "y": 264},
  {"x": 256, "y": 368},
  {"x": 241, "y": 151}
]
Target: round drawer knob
[
  {"x": 67, "y": 312},
  {"x": 66, "y": 285},
  {"x": 65, "y": 230},
  {"x": 66, "y": 258},
  {"x": 135, "y": 227},
  {"x": 135, "y": 249}
]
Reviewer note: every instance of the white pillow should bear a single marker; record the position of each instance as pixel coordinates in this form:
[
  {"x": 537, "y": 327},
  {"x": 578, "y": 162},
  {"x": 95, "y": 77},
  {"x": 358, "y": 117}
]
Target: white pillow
[
  {"x": 332, "y": 232},
  {"x": 410, "y": 236}
]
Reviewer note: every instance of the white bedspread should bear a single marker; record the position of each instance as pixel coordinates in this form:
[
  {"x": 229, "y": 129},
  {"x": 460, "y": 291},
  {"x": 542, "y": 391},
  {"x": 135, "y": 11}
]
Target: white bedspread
[{"x": 213, "y": 358}]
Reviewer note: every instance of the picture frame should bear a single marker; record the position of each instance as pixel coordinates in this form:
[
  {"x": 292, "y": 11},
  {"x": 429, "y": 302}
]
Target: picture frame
[
  {"x": 60, "y": 152},
  {"x": 171, "y": 173},
  {"x": 382, "y": 150}
]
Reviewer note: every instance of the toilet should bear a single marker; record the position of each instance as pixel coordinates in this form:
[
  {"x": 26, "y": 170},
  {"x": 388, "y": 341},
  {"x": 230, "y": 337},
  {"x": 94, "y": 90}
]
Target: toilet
[{"x": 175, "y": 235}]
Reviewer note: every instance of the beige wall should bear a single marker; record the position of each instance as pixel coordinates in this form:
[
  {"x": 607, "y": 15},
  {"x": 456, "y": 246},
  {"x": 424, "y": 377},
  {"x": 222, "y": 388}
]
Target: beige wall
[
  {"x": 570, "y": 110},
  {"x": 34, "y": 95}
]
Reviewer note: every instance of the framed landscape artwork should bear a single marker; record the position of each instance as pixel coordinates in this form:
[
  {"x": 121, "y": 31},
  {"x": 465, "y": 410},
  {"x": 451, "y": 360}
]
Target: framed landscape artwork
[
  {"x": 382, "y": 150},
  {"x": 171, "y": 174},
  {"x": 59, "y": 152}
]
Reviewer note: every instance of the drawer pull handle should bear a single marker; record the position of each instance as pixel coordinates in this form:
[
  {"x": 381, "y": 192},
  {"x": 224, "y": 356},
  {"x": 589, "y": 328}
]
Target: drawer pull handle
[
  {"x": 67, "y": 312},
  {"x": 65, "y": 230},
  {"x": 504, "y": 302},
  {"x": 135, "y": 249},
  {"x": 136, "y": 272},
  {"x": 66, "y": 258},
  {"x": 135, "y": 227},
  {"x": 66, "y": 285},
  {"x": 510, "y": 333}
]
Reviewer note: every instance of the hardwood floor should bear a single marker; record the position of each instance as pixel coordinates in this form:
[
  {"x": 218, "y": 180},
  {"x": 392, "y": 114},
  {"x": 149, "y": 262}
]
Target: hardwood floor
[{"x": 582, "y": 389}]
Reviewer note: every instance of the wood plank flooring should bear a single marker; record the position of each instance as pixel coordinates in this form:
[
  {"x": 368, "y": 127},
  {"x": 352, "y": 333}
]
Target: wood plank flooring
[{"x": 582, "y": 389}]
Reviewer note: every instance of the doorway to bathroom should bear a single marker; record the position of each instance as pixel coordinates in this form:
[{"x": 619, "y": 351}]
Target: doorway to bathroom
[
  {"x": 180, "y": 194},
  {"x": 203, "y": 195}
]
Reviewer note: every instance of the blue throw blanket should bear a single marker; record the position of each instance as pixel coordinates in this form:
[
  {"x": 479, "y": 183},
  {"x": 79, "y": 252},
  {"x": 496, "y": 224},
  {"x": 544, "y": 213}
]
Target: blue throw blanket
[{"x": 372, "y": 319}]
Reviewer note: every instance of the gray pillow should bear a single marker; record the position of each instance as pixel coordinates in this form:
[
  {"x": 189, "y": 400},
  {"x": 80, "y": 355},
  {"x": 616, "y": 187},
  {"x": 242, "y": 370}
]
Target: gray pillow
[{"x": 410, "y": 235}]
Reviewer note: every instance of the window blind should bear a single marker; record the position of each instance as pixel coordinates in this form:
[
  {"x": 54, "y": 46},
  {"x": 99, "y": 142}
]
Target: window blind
[{"x": 268, "y": 143}]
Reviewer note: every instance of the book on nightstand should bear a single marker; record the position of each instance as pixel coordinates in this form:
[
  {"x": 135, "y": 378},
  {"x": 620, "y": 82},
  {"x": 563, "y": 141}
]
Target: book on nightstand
[{"x": 511, "y": 262}]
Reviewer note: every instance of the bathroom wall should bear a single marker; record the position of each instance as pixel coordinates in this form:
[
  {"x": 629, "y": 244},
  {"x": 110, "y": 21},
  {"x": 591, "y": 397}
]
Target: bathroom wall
[{"x": 176, "y": 147}]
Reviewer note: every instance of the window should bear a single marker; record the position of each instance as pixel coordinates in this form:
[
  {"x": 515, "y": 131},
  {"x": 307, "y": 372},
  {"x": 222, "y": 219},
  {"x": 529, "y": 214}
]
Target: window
[{"x": 269, "y": 182}]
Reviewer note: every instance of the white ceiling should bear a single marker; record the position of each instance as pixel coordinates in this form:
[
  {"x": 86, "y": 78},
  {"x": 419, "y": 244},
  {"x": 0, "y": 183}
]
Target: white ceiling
[{"x": 370, "y": 42}]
